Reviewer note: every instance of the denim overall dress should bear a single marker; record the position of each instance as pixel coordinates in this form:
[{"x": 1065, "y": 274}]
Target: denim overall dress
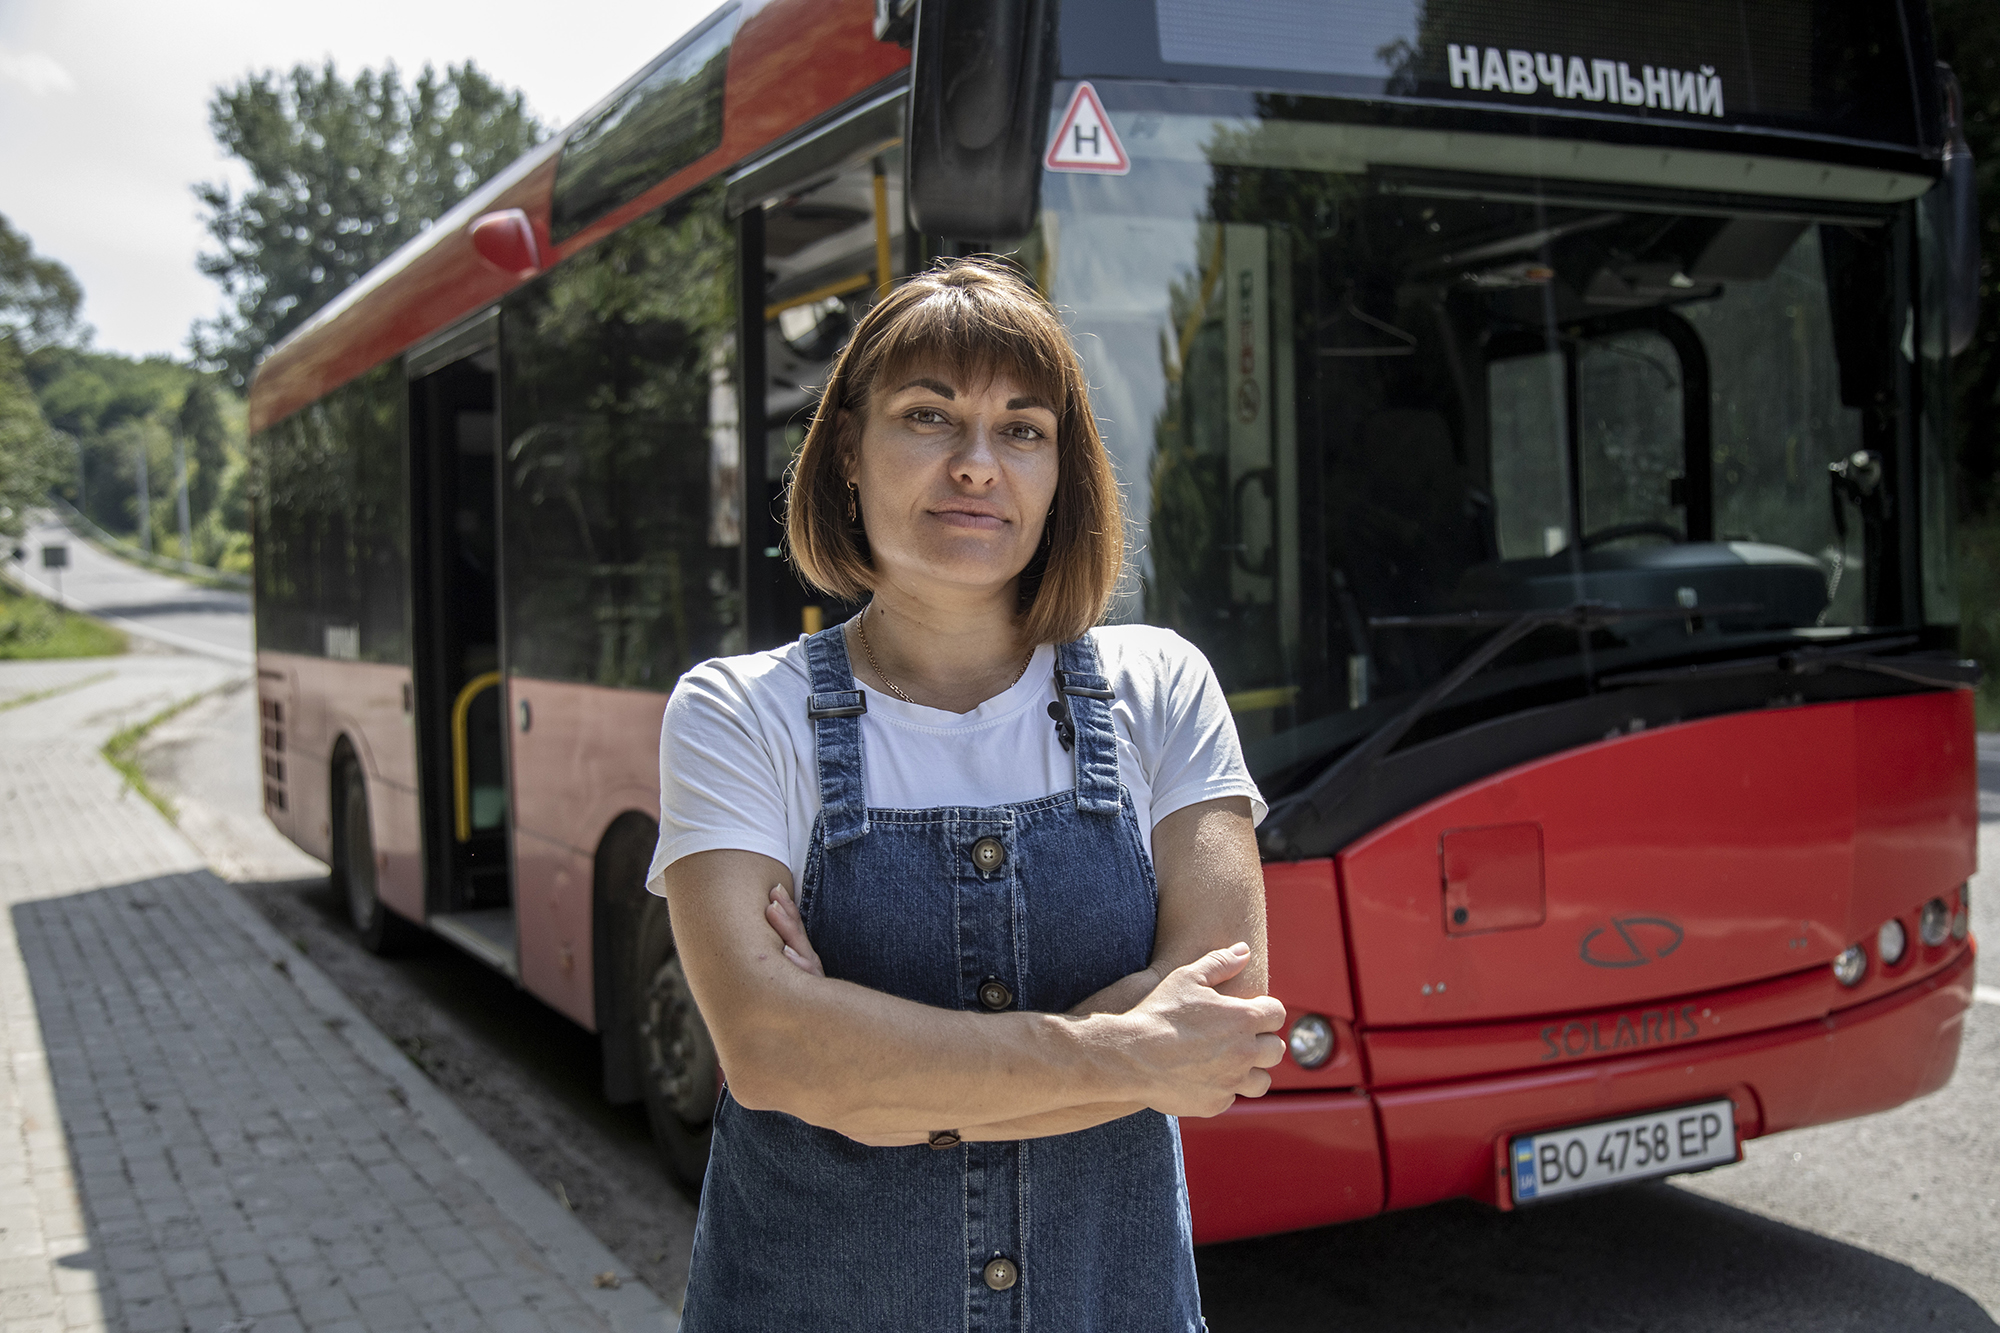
[{"x": 1032, "y": 906}]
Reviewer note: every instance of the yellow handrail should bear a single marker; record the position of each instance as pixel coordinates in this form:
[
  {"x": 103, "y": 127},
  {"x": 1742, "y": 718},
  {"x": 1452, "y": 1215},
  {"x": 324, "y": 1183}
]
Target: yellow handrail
[
  {"x": 853, "y": 283},
  {"x": 1258, "y": 701},
  {"x": 884, "y": 279},
  {"x": 461, "y": 780}
]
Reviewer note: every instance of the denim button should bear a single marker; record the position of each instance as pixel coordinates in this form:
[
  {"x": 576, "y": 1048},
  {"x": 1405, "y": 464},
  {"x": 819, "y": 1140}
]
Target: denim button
[
  {"x": 988, "y": 855},
  {"x": 993, "y": 993},
  {"x": 1000, "y": 1273}
]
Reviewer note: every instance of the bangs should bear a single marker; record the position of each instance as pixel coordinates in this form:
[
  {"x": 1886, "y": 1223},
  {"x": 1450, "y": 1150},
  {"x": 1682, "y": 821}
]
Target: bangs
[{"x": 971, "y": 341}]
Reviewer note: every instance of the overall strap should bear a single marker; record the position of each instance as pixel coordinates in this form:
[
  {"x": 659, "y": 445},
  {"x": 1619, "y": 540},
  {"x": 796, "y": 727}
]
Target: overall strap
[
  {"x": 835, "y": 707},
  {"x": 1087, "y": 695}
]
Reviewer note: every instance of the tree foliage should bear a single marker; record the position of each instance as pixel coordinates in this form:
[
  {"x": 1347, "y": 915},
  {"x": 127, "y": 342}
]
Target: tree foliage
[
  {"x": 112, "y": 409},
  {"x": 39, "y": 299},
  {"x": 32, "y": 457},
  {"x": 343, "y": 172},
  {"x": 206, "y": 431}
]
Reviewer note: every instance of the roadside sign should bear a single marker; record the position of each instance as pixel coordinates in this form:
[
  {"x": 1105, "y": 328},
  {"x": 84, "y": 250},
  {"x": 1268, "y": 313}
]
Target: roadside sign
[
  {"x": 55, "y": 557},
  {"x": 1086, "y": 141}
]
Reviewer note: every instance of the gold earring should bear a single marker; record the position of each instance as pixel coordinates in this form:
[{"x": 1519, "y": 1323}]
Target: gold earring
[{"x": 852, "y": 512}]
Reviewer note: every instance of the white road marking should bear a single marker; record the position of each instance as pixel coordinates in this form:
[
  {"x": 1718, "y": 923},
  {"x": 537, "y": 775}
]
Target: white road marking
[{"x": 1986, "y": 994}]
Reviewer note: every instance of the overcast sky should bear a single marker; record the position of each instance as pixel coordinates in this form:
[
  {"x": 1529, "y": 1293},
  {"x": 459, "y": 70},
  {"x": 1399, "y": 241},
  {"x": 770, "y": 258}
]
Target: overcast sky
[{"x": 104, "y": 114}]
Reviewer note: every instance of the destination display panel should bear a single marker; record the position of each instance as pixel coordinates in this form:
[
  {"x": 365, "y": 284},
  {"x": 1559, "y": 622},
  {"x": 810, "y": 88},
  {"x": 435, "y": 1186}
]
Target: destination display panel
[{"x": 1831, "y": 71}]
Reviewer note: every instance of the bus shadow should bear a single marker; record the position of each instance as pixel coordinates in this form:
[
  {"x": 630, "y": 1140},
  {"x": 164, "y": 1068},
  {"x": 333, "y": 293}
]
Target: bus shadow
[
  {"x": 1645, "y": 1257},
  {"x": 201, "y": 1102},
  {"x": 224, "y": 1134},
  {"x": 235, "y": 604}
]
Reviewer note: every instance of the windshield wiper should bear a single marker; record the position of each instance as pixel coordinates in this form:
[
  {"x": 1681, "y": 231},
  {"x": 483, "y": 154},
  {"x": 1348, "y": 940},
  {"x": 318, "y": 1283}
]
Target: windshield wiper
[
  {"x": 1942, "y": 673},
  {"x": 1324, "y": 794}
]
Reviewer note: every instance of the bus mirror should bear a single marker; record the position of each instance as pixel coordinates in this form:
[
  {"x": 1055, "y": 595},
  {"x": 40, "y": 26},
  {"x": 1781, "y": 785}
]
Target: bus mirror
[
  {"x": 979, "y": 110},
  {"x": 506, "y": 240},
  {"x": 1962, "y": 199}
]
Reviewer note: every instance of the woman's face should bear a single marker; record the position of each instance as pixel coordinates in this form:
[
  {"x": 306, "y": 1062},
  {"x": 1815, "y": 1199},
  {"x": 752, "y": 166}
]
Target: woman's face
[{"x": 955, "y": 479}]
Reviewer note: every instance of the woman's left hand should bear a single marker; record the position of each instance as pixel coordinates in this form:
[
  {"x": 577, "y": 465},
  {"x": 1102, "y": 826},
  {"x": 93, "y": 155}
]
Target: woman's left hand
[{"x": 783, "y": 914}]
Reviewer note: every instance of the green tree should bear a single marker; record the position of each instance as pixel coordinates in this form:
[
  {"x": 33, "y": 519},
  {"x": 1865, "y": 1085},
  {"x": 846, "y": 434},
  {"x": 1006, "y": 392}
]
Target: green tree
[
  {"x": 206, "y": 434},
  {"x": 343, "y": 172},
  {"x": 110, "y": 406},
  {"x": 33, "y": 458},
  {"x": 39, "y": 299}
]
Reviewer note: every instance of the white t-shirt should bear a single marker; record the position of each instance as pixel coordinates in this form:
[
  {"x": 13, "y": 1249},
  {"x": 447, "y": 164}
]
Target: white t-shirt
[{"x": 737, "y": 768}]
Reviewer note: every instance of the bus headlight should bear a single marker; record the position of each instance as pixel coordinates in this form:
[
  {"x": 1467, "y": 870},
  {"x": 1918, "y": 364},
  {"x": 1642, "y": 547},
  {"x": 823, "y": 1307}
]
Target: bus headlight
[
  {"x": 1890, "y": 941},
  {"x": 1961, "y": 920},
  {"x": 1311, "y": 1041},
  {"x": 1851, "y": 966},
  {"x": 1934, "y": 923}
]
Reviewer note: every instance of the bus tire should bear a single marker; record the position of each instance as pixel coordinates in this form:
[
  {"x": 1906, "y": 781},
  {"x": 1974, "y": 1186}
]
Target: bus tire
[
  {"x": 679, "y": 1076},
  {"x": 382, "y": 931}
]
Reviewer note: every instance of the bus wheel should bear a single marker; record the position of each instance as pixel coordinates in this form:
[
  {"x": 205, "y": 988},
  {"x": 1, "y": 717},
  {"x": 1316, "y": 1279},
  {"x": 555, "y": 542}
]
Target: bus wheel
[
  {"x": 678, "y": 1074},
  {"x": 381, "y": 930}
]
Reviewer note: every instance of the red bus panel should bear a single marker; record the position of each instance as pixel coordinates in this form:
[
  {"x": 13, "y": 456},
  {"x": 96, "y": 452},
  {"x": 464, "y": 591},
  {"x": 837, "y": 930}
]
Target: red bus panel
[{"x": 1686, "y": 859}]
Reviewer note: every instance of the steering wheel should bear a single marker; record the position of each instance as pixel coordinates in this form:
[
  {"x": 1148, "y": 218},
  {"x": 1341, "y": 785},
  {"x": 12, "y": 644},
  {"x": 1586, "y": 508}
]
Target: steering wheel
[{"x": 1619, "y": 531}]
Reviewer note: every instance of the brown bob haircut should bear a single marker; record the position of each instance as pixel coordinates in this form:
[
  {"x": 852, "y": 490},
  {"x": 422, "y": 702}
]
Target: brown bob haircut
[{"x": 969, "y": 318}]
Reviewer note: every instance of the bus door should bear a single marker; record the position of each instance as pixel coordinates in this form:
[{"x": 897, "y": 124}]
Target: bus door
[{"x": 454, "y": 439}]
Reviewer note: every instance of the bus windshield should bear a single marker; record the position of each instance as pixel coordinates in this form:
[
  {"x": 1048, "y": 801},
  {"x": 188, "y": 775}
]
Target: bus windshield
[{"x": 1343, "y": 394}]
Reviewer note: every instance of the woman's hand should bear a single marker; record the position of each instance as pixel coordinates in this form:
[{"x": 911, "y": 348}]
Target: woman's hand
[
  {"x": 783, "y": 914},
  {"x": 1196, "y": 1050}
]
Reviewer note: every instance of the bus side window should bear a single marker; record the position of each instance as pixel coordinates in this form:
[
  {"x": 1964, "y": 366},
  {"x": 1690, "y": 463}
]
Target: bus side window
[{"x": 620, "y": 461}]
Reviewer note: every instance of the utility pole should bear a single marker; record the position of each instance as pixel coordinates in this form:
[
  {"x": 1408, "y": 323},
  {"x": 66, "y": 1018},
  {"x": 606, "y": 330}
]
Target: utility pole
[
  {"x": 145, "y": 503},
  {"x": 181, "y": 495}
]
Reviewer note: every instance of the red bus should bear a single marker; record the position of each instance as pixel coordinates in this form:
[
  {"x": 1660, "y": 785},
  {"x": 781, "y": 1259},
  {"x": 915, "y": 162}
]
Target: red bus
[{"x": 1536, "y": 411}]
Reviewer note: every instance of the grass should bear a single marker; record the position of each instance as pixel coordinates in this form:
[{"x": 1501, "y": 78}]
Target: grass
[
  {"x": 32, "y": 629},
  {"x": 21, "y": 700},
  {"x": 122, "y": 752}
]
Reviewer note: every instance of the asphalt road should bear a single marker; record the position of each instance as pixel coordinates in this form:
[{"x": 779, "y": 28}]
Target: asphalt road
[
  {"x": 214, "y": 622},
  {"x": 1886, "y": 1223}
]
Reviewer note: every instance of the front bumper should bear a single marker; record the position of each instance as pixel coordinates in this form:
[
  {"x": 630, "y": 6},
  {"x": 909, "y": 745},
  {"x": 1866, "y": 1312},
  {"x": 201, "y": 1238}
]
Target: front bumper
[{"x": 1293, "y": 1160}]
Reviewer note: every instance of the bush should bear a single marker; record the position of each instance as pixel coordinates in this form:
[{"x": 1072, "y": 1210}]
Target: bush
[
  {"x": 31, "y": 628},
  {"x": 26, "y": 623}
]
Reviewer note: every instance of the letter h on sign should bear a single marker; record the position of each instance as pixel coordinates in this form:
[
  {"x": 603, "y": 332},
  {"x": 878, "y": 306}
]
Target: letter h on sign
[
  {"x": 1464, "y": 65},
  {"x": 1659, "y": 92}
]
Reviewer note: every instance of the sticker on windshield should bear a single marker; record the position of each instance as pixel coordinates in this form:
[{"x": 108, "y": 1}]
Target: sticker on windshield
[{"x": 1086, "y": 141}]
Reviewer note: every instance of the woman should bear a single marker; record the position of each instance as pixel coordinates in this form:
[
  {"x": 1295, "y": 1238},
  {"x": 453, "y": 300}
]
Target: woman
[{"x": 966, "y": 890}]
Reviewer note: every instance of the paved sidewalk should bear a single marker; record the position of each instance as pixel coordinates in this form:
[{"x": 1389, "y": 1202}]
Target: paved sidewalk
[{"x": 197, "y": 1131}]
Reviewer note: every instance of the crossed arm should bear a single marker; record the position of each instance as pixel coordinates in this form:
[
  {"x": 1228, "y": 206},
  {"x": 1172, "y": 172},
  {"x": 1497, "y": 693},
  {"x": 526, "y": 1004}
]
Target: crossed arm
[{"x": 1186, "y": 1036}]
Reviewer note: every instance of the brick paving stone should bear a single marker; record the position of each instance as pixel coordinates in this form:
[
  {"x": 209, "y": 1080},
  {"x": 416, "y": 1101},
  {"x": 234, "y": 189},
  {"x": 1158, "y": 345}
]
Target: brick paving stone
[{"x": 196, "y": 1132}]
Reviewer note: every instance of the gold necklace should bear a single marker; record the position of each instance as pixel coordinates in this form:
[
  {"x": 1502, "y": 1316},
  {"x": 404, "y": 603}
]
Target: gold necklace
[{"x": 861, "y": 632}]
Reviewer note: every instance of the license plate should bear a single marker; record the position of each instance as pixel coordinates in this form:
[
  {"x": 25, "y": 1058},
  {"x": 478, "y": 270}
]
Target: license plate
[{"x": 1610, "y": 1152}]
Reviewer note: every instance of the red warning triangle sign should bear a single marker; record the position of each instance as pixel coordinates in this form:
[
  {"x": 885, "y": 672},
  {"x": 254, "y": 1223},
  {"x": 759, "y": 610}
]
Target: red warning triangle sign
[{"x": 1086, "y": 141}]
